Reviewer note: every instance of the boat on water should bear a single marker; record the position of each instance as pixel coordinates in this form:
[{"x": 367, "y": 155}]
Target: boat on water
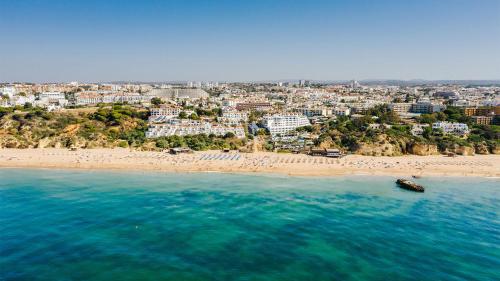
[{"x": 409, "y": 185}]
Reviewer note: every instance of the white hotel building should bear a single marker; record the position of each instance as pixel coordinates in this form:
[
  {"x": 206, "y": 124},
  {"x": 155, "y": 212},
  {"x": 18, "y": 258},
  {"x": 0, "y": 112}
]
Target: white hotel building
[
  {"x": 315, "y": 111},
  {"x": 341, "y": 111},
  {"x": 165, "y": 111},
  {"x": 233, "y": 117},
  {"x": 51, "y": 100},
  {"x": 278, "y": 124},
  {"x": 184, "y": 127},
  {"x": 91, "y": 98},
  {"x": 451, "y": 128}
]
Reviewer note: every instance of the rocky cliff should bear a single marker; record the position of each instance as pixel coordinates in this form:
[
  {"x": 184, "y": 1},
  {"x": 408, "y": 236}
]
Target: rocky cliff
[
  {"x": 384, "y": 146},
  {"x": 423, "y": 149}
]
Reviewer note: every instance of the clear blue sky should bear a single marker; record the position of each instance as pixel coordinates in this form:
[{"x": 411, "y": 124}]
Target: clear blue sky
[{"x": 50, "y": 40}]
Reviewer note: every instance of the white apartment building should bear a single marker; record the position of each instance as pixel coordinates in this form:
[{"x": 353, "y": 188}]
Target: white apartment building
[
  {"x": 184, "y": 127},
  {"x": 426, "y": 107},
  {"x": 278, "y": 124},
  {"x": 89, "y": 98},
  {"x": 8, "y": 91},
  {"x": 229, "y": 102},
  {"x": 451, "y": 128},
  {"x": 51, "y": 100},
  {"x": 163, "y": 113},
  {"x": 419, "y": 107},
  {"x": 178, "y": 93},
  {"x": 167, "y": 111},
  {"x": 315, "y": 111},
  {"x": 123, "y": 97},
  {"x": 9, "y": 96},
  {"x": 463, "y": 103},
  {"x": 233, "y": 117},
  {"x": 362, "y": 108},
  {"x": 85, "y": 98},
  {"x": 341, "y": 111},
  {"x": 401, "y": 107},
  {"x": 51, "y": 95},
  {"x": 21, "y": 100},
  {"x": 418, "y": 129},
  {"x": 4, "y": 102}
]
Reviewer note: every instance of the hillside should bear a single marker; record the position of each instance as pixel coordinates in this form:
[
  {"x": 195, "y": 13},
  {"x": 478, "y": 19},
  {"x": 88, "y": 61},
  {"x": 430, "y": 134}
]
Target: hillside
[{"x": 125, "y": 126}]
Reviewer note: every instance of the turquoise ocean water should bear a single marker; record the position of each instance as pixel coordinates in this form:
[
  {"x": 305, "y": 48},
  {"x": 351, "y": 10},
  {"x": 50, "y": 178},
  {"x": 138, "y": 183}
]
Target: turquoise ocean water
[{"x": 89, "y": 225}]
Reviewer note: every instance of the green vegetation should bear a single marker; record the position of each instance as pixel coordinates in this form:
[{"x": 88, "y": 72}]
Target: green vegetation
[
  {"x": 156, "y": 101},
  {"x": 208, "y": 113},
  {"x": 122, "y": 125},
  {"x": 111, "y": 126},
  {"x": 200, "y": 142},
  {"x": 254, "y": 116},
  {"x": 118, "y": 125},
  {"x": 308, "y": 129},
  {"x": 194, "y": 116},
  {"x": 380, "y": 125}
]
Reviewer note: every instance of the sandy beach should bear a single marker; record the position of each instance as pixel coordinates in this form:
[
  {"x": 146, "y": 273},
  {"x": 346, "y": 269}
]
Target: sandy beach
[{"x": 262, "y": 162}]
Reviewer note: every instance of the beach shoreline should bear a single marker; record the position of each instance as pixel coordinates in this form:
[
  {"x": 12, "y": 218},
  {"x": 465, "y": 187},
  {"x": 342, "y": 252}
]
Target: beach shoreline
[{"x": 251, "y": 163}]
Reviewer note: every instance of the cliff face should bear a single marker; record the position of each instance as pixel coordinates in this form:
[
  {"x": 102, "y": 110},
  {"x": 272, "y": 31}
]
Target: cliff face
[
  {"x": 481, "y": 148},
  {"x": 55, "y": 142},
  {"x": 423, "y": 149},
  {"x": 496, "y": 150},
  {"x": 384, "y": 146},
  {"x": 328, "y": 143},
  {"x": 464, "y": 150},
  {"x": 374, "y": 149},
  {"x": 7, "y": 141},
  {"x": 392, "y": 148}
]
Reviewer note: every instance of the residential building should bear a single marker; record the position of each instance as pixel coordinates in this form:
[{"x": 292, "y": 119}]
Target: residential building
[
  {"x": 8, "y": 91},
  {"x": 52, "y": 95},
  {"x": 160, "y": 114},
  {"x": 451, "y": 128},
  {"x": 341, "y": 111},
  {"x": 418, "y": 129},
  {"x": 447, "y": 94},
  {"x": 184, "y": 127},
  {"x": 278, "y": 124},
  {"x": 401, "y": 108},
  {"x": 426, "y": 107},
  {"x": 92, "y": 98},
  {"x": 483, "y": 120},
  {"x": 233, "y": 117},
  {"x": 87, "y": 98},
  {"x": 482, "y": 111},
  {"x": 315, "y": 111},
  {"x": 259, "y": 106},
  {"x": 194, "y": 93}
]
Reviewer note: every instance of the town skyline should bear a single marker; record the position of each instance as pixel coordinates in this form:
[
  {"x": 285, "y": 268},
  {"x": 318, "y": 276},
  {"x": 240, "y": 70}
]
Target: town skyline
[{"x": 290, "y": 81}]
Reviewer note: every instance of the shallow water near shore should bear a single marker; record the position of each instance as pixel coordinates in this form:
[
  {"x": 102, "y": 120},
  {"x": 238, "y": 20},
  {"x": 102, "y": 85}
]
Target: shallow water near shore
[{"x": 104, "y": 225}]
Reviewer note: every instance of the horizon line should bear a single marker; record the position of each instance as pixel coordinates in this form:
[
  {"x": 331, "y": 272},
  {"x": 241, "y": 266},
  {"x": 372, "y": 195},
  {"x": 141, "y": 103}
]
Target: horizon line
[{"x": 497, "y": 80}]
